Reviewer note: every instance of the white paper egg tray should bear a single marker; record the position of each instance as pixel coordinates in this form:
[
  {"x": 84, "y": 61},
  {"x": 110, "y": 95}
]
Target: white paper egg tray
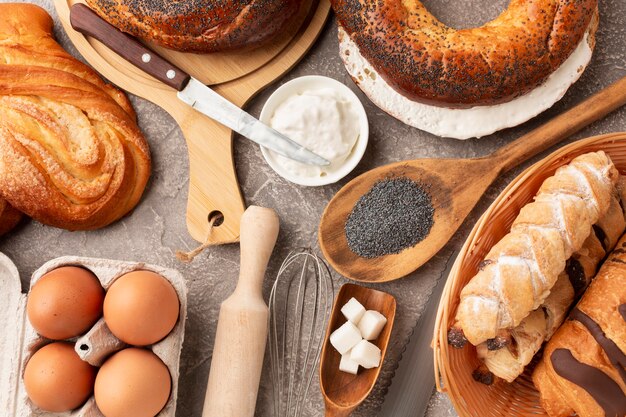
[{"x": 19, "y": 340}]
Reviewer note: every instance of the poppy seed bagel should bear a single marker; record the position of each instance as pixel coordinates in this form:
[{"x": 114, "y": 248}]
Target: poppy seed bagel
[
  {"x": 429, "y": 62},
  {"x": 204, "y": 25}
]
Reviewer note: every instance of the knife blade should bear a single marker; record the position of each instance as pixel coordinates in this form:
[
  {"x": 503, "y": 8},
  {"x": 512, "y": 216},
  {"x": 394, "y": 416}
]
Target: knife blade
[
  {"x": 190, "y": 90},
  {"x": 413, "y": 383},
  {"x": 208, "y": 102}
]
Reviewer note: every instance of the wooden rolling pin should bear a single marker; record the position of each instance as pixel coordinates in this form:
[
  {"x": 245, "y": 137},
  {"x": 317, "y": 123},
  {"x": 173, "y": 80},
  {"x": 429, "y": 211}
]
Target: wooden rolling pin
[{"x": 242, "y": 326}]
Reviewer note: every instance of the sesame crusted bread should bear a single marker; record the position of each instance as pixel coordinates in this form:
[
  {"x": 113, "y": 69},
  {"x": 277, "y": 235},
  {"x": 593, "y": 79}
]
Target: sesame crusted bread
[
  {"x": 429, "y": 62},
  {"x": 204, "y": 25},
  {"x": 71, "y": 153}
]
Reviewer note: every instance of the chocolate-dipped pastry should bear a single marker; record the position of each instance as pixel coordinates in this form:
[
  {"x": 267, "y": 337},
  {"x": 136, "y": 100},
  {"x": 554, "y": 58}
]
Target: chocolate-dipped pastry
[
  {"x": 583, "y": 369},
  {"x": 599, "y": 385}
]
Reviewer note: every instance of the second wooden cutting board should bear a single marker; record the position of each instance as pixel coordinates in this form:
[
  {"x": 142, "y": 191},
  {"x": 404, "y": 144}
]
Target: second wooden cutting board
[{"x": 213, "y": 183}]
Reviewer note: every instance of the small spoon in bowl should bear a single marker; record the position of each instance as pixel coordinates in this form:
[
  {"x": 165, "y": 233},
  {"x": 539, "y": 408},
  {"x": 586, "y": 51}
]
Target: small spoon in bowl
[
  {"x": 342, "y": 391},
  {"x": 454, "y": 185}
]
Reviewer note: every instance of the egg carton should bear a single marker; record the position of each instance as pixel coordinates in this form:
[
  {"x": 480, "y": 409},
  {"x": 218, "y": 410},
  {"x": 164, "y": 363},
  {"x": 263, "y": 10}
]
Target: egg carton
[{"x": 19, "y": 340}]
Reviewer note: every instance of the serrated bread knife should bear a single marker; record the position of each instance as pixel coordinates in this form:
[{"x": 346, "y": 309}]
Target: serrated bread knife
[
  {"x": 190, "y": 90},
  {"x": 414, "y": 380}
]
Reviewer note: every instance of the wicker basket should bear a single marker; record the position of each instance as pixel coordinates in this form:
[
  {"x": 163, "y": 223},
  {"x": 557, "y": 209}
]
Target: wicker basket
[{"x": 453, "y": 367}]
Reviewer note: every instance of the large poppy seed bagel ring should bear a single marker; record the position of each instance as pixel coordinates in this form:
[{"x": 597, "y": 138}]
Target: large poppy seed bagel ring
[{"x": 429, "y": 62}]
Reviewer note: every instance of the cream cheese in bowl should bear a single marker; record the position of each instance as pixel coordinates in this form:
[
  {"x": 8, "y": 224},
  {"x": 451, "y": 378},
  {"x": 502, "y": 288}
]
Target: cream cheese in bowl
[{"x": 324, "y": 116}]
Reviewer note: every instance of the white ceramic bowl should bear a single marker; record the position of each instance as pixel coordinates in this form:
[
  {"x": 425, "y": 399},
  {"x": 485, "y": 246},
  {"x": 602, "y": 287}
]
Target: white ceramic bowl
[{"x": 316, "y": 82}]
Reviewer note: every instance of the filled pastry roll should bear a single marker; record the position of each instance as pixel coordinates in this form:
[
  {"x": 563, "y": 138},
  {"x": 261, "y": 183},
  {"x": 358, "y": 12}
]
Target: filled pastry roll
[
  {"x": 519, "y": 272},
  {"x": 507, "y": 355}
]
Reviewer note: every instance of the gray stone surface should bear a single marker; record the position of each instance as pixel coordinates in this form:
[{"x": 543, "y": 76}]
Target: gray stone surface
[{"x": 156, "y": 228}]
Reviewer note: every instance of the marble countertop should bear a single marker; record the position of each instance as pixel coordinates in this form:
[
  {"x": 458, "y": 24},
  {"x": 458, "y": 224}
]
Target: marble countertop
[{"x": 156, "y": 229}]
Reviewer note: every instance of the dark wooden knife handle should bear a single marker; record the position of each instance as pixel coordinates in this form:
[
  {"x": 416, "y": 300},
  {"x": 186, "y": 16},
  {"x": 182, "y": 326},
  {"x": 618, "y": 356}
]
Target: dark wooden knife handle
[{"x": 87, "y": 22}]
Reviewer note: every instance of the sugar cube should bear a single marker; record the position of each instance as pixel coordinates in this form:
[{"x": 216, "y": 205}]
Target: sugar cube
[
  {"x": 353, "y": 310},
  {"x": 366, "y": 354},
  {"x": 371, "y": 324},
  {"x": 344, "y": 338},
  {"x": 348, "y": 365}
]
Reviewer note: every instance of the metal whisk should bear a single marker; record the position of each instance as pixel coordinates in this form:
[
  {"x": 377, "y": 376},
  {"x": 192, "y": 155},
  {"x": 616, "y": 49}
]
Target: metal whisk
[{"x": 300, "y": 304}]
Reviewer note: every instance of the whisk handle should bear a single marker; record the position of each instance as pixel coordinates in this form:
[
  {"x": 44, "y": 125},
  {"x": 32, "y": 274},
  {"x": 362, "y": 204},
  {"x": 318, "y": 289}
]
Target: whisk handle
[{"x": 259, "y": 231}]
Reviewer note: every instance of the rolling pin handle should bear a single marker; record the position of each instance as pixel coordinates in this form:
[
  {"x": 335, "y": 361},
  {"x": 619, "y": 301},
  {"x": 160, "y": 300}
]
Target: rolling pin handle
[
  {"x": 259, "y": 231},
  {"x": 241, "y": 333}
]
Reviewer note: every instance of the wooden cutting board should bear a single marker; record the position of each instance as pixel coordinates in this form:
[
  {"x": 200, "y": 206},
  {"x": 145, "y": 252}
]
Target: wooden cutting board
[{"x": 238, "y": 76}]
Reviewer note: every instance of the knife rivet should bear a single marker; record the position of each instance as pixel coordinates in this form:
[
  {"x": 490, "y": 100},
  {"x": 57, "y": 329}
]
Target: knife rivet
[
  {"x": 146, "y": 58},
  {"x": 170, "y": 74}
]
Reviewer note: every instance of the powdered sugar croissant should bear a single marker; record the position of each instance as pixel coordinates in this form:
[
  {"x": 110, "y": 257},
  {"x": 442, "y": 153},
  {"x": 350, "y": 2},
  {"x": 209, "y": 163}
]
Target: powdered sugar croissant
[
  {"x": 71, "y": 154},
  {"x": 521, "y": 269},
  {"x": 507, "y": 355}
]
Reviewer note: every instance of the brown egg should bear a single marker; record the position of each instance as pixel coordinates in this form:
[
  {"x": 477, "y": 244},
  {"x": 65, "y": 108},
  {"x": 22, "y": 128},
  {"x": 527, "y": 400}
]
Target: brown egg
[
  {"x": 56, "y": 379},
  {"x": 65, "y": 302},
  {"x": 133, "y": 382},
  {"x": 141, "y": 308}
]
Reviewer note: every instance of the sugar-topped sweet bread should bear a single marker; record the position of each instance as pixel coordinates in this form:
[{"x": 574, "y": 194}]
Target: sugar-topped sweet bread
[{"x": 71, "y": 153}]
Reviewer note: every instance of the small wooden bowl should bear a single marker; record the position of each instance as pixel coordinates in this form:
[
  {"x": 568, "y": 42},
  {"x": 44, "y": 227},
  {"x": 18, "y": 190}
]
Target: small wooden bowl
[
  {"x": 453, "y": 367},
  {"x": 342, "y": 391}
]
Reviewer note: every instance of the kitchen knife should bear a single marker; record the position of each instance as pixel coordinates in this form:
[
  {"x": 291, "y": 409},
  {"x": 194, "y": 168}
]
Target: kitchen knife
[
  {"x": 190, "y": 90},
  {"x": 414, "y": 380}
]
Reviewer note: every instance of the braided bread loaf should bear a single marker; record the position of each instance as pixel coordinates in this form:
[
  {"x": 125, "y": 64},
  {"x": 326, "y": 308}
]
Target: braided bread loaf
[
  {"x": 521, "y": 269},
  {"x": 71, "y": 154}
]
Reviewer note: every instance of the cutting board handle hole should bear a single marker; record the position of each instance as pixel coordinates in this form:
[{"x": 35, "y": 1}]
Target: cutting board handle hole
[
  {"x": 84, "y": 347},
  {"x": 216, "y": 218}
]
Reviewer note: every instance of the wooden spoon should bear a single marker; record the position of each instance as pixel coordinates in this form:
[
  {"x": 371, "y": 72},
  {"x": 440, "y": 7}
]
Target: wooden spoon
[
  {"x": 342, "y": 391},
  {"x": 454, "y": 185}
]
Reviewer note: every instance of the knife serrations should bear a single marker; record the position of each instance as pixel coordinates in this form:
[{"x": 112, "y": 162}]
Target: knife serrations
[
  {"x": 211, "y": 104},
  {"x": 413, "y": 382}
]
